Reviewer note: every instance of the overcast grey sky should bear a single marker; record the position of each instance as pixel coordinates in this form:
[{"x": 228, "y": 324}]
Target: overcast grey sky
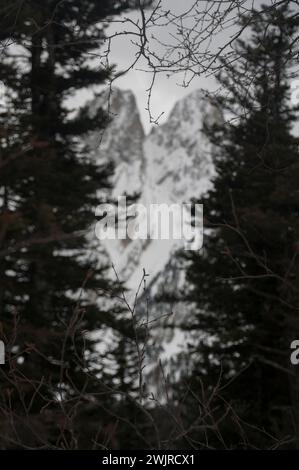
[{"x": 167, "y": 89}]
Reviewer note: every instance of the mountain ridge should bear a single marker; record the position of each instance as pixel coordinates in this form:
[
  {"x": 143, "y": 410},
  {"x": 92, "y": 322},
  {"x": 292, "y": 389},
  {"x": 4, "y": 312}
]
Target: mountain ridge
[{"x": 170, "y": 164}]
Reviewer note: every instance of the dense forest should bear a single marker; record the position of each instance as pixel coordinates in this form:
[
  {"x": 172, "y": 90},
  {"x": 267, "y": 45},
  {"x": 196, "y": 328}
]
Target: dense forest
[{"x": 235, "y": 386}]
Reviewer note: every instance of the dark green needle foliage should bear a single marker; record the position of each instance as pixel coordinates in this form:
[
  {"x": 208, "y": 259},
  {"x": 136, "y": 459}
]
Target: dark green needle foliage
[
  {"x": 49, "y": 280},
  {"x": 245, "y": 281}
]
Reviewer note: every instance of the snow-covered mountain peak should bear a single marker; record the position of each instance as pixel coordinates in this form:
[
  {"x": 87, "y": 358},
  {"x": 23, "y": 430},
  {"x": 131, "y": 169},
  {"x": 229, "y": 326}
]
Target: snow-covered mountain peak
[
  {"x": 172, "y": 164},
  {"x": 122, "y": 141},
  {"x": 125, "y": 134},
  {"x": 178, "y": 155}
]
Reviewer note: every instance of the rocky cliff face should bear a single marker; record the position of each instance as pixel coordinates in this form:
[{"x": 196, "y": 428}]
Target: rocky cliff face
[
  {"x": 172, "y": 164},
  {"x": 122, "y": 142}
]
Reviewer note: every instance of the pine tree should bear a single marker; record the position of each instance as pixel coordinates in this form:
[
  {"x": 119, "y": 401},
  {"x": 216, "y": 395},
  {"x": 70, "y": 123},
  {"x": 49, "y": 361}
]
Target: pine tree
[
  {"x": 49, "y": 190},
  {"x": 245, "y": 281}
]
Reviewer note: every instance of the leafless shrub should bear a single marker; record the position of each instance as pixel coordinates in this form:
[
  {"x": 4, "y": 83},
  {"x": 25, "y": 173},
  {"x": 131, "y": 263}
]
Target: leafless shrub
[{"x": 36, "y": 415}]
